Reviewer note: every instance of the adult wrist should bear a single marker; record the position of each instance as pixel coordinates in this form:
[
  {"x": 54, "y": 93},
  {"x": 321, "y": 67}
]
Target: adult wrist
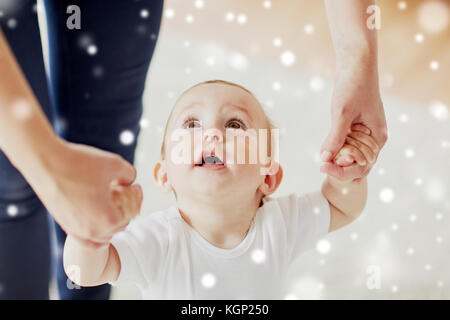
[{"x": 357, "y": 52}]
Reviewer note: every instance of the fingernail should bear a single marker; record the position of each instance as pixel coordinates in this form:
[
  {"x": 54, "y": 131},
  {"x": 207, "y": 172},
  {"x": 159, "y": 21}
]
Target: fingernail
[
  {"x": 363, "y": 163},
  {"x": 325, "y": 155}
]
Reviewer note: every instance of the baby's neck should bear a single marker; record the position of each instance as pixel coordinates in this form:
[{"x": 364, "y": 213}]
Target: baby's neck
[{"x": 224, "y": 225}]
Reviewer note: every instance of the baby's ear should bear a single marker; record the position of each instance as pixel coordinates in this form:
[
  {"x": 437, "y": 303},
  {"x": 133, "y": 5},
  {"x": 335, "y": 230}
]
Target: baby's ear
[
  {"x": 272, "y": 179},
  {"x": 160, "y": 176}
]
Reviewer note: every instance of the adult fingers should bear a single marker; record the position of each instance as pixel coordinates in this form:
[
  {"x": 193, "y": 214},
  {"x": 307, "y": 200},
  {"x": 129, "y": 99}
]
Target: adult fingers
[
  {"x": 125, "y": 173},
  {"x": 366, "y": 139},
  {"x": 369, "y": 154},
  {"x": 128, "y": 199},
  {"x": 336, "y": 138},
  {"x": 135, "y": 196},
  {"x": 361, "y": 128}
]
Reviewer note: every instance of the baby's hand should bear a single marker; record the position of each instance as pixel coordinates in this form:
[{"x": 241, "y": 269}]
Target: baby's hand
[
  {"x": 360, "y": 149},
  {"x": 127, "y": 200}
]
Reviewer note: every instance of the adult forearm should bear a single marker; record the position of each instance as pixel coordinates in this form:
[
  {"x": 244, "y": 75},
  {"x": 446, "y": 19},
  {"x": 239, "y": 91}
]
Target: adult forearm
[
  {"x": 352, "y": 39},
  {"x": 26, "y": 135},
  {"x": 349, "y": 197},
  {"x": 83, "y": 264}
]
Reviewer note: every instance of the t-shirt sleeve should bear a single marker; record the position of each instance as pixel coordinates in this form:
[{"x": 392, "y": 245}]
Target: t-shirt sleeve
[
  {"x": 306, "y": 221},
  {"x": 142, "y": 249}
]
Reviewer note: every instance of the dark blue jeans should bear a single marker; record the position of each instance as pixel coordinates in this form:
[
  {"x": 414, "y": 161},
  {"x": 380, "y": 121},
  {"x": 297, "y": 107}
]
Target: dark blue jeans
[{"x": 96, "y": 81}]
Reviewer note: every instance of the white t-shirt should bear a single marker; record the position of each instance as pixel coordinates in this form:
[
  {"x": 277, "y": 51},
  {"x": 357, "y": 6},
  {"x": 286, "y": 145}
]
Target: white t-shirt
[{"x": 168, "y": 259}]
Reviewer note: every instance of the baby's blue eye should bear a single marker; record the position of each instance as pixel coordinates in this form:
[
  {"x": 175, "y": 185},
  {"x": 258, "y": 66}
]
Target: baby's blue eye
[
  {"x": 235, "y": 124},
  {"x": 190, "y": 124}
]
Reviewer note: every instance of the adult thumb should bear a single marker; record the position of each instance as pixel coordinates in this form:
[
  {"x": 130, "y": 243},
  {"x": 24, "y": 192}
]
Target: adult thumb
[{"x": 335, "y": 139}]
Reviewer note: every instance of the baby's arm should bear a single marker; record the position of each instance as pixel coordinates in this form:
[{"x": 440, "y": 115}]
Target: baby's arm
[
  {"x": 347, "y": 198},
  {"x": 88, "y": 266}
]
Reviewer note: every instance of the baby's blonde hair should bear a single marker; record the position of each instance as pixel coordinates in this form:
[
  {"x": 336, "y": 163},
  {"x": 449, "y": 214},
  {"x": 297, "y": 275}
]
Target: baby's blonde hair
[{"x": 269, "y": 122}]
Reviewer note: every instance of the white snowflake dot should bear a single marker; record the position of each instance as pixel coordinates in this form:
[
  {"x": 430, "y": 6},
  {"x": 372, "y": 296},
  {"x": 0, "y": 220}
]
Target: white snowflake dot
[
  {"x": 386, "y": 195},
  {"x": 419, "y": 37},
  {"x": 402, "y": 5},
  {"x": 241, "y": 18},
  {"x": 439, "y": 110},
  {"x": 208, "y": 280},
  {"x": 276, "y": 86},
  {"x": 323, "y": 246},
  {"x": 170, "y": 13},
  {"x": 144, "y": 123},
  {"x": 277, "y": 42},
  {"x": 210, "y": 61},
  {"x": 12, "y": 23},
  {"x": 12, "y": 210},
  {"x": 238, "y": 61},
  {"x": 404, "y": 118},
  {"x": 287, "y": 58},
  {"x": 409, "y": 153},
  {"x": 127, "y": 137},
  {"x": 434, "y": 65},
  {"x": 309, "y": 29},
  {"x": 316, "y": 84},
  {"x": 199, "y": 4},
  {"x": 258, "y": 256},
  {"x": 92, "y": 49},
  {"x": 145, "y": 14},
  {"x": 267, "y": 4},
  {"x": 189, "y": 18},
  {"x": 229, "y": 16},
  {"x": 21, "y": 110}
]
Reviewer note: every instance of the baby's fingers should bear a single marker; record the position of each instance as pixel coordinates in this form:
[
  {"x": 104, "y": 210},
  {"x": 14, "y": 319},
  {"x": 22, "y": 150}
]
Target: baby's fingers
[
  {"x": 364, "y": 144},
  {"x": 354, "y": 153}
]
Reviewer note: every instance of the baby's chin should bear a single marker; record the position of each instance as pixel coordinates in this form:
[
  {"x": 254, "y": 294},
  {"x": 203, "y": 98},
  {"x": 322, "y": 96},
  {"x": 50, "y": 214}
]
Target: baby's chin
[{"x": 211, "y": 185}]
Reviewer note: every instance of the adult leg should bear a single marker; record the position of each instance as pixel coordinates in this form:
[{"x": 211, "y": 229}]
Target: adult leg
[
  {"x": 24, "y": 235},
  {"x": 98, "y": 77}
]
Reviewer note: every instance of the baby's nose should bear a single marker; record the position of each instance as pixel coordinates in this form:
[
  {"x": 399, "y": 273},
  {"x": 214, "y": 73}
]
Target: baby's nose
[{"x": 213, "y": 135}]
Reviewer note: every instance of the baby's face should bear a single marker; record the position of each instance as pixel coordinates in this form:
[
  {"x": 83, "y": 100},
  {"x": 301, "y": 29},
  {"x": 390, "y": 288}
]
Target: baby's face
[{"x": 207, "y": 116}]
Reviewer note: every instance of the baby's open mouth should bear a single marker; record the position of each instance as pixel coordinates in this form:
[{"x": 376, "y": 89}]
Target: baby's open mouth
[{"x": 211, "y": 160}]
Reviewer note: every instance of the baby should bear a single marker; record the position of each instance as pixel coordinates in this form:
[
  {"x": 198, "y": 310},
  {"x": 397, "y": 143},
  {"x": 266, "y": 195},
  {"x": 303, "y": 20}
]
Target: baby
[{"x": 226, "y": 238}]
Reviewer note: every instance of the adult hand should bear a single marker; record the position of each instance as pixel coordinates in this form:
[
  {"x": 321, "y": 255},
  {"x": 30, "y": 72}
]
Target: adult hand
[
  {"x": 356, "y": 99},
  {"x": 79, "y": 191}
]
